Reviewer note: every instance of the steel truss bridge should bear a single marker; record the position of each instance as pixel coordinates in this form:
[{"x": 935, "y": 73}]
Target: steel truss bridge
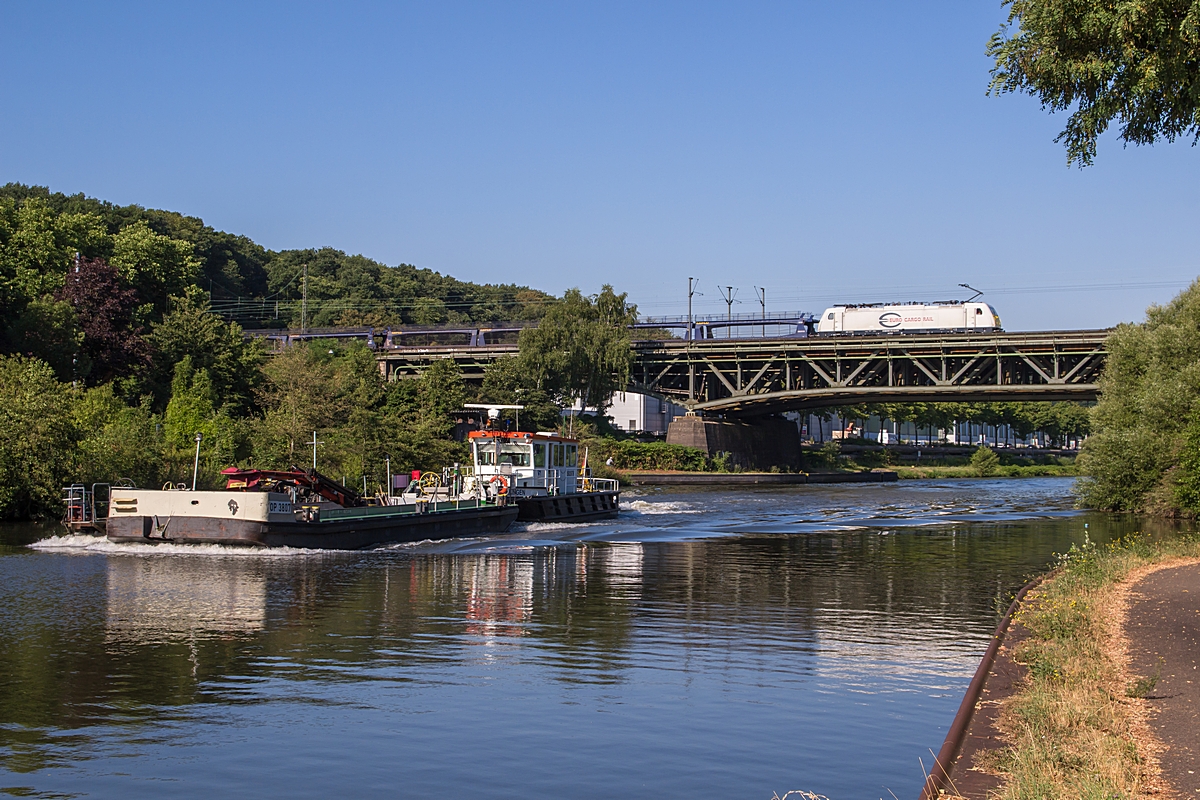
[{"x": 751, "y": 377}]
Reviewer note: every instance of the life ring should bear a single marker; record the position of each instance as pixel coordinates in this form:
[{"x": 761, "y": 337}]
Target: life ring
[{"x": 503, "y": 481}]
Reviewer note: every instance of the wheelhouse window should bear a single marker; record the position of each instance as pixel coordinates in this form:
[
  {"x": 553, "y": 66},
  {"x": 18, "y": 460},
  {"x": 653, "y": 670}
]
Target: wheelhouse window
[
  {"x": 515, "y": 454},
  {"x": 539, "y": 455},
  {"x": 557, "y": 450},
  {"x": 572, "y": 455}
]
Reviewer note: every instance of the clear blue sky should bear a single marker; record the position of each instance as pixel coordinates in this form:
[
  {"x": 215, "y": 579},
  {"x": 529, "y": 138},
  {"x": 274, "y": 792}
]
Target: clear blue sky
[{"x": 825, "y": 151}]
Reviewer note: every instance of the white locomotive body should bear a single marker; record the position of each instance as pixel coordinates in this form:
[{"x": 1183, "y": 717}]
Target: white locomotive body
[{"x": 908, "y": 318}]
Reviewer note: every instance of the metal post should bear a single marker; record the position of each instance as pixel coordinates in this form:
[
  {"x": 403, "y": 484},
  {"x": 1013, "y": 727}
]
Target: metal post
[
  {"x": 762, "y": 299},
  {"x": 388, "y": 461},
  {"x": 691, "y": 291},
  {"x": 728, "y": 296},
  {"x": 196, "y": 463},
  {"x": 314, "y": 444},
  {"x": 304, "y": 318}
]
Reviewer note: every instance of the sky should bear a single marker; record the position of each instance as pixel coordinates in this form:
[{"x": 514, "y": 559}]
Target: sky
[{"x": 823, "y": 152}]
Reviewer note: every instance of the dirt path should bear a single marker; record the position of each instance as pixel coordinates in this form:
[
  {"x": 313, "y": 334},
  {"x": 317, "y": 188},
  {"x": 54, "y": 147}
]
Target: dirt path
[{"x": 1162, "y": 626}]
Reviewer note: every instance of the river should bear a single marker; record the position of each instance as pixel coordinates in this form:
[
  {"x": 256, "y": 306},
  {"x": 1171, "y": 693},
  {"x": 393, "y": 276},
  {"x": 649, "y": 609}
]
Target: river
[{"x": 707, "y": 644}]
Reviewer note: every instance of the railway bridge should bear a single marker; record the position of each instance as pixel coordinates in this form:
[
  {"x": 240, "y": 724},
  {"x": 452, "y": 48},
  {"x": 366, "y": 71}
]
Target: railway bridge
[{"x": 744, "y": 378}]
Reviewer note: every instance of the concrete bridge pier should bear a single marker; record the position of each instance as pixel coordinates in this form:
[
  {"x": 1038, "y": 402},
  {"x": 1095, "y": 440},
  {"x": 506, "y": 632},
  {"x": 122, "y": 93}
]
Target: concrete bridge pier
[{"x": 761, "y": 444}]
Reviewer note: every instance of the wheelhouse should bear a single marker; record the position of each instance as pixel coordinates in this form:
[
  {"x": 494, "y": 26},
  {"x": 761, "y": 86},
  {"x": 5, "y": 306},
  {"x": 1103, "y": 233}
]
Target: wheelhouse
[{"x": 526, "y": 464}]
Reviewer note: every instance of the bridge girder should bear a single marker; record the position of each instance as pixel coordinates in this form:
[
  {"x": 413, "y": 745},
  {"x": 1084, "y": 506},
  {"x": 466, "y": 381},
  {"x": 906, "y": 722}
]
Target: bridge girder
[
  {"x": 747, "y": 378},
  {"x": 750, "y": 377}
]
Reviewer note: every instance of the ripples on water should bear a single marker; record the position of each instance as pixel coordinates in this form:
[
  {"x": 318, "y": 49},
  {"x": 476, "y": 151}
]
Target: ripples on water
[{"x": 706, "y": 644}]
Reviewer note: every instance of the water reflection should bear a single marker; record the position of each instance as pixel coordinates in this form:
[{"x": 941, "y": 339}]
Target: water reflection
[
  {"x": 158, "y": 599},
  {"x": 699, "y": 642},
  {"x": 499, "y": 595}
]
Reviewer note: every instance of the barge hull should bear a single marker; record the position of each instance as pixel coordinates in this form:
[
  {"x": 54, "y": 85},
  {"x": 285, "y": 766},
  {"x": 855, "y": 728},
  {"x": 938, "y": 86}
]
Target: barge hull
[
  {"x": 347, "y": 534},
  {"x": 569, "y": 507}
]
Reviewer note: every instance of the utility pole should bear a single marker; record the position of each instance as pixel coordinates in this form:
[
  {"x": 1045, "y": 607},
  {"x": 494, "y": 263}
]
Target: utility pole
[
  {"x": 690, "y": 338},
  {"x": 762, "y": 299},
  {"x": 691, "y": 291},
  {"x": 314, "y": 444},
  {"x": 728, "y": 296},
  {"x": 303, "y": 323}
]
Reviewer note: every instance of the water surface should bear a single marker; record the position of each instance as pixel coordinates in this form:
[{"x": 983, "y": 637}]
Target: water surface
[{"x": 707, "y": 644}]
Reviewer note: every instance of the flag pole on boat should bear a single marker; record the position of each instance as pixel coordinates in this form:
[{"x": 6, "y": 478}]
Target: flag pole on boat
[{"x": 196, "y": 463}]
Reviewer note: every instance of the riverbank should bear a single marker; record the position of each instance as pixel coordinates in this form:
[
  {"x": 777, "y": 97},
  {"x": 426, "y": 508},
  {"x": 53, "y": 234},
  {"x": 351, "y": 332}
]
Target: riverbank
[
  {"x": 878, "y": 475},
  {"x": 670, "y": 478},
  {"x": 1069, "y": 712},
  {"x": 967, "y": 471}
]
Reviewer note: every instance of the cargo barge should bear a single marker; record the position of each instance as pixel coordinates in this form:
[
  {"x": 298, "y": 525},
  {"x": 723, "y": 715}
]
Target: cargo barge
[{"x": 294, "y": 508}]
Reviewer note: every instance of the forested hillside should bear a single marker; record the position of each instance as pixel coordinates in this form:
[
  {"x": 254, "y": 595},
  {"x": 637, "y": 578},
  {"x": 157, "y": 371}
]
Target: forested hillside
[{"x": 160, "y": 253}]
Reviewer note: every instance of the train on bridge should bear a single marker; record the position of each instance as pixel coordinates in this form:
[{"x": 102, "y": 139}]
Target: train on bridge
[{"x": 844, "y": 320}]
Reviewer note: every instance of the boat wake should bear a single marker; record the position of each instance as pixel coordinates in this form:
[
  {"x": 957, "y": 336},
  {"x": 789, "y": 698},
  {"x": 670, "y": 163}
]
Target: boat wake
[
  {"x": 82, "y": 543},
  {"x": 662, "y": 507}
]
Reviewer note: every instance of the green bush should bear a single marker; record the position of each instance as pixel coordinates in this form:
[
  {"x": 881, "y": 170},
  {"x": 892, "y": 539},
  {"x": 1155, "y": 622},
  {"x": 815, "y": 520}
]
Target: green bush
[
  {"x": 633, "y": 455},
  {"x": 985, "y": 462}
]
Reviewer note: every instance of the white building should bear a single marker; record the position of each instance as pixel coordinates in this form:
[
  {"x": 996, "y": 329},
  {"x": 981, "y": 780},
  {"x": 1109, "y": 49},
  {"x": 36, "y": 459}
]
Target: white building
[{"x": 640, "y": 413}]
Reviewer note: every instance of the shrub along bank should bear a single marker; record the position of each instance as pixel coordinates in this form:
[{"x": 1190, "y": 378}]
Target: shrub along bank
[{"x": 1144, "y": 452}]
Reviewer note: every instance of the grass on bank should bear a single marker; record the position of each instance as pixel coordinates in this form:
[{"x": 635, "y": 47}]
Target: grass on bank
[
  {"x": 968, "y": 471},
  {"x": 1076, "y": 725}
]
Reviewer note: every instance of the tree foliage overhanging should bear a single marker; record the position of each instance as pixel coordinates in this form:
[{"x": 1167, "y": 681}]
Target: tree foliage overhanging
[{"x": 1136, "y": 62}]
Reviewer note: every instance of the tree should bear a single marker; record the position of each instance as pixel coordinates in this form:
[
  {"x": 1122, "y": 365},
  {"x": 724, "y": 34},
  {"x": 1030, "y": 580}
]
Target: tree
[
  {"x": 505, "y": 382},
  {"x": 37, "y": 438},
  {"x": 218, "y": 347},
  {"x": 1149, "y": 396},
  {"x": 1135, "y": 62},
  {"x": 48, "y": 329},
  {"x": 193, "y": 410},
  {"x": 156, "y": 265},
  {"x": 105, "y": 309},
  {"x": 300, "y": 395},
  {"x": 581, "y": 349},
  {"x": 119, "y": 442}
]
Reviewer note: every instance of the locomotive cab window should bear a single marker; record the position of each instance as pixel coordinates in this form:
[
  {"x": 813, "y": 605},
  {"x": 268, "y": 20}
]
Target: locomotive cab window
[
  {"x": 979, "y": 311},
  {"x": 830, "y": 315}
]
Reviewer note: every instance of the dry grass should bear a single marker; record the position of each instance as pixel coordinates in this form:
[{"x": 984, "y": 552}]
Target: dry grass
[{"x": 1077, "y": 727}]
